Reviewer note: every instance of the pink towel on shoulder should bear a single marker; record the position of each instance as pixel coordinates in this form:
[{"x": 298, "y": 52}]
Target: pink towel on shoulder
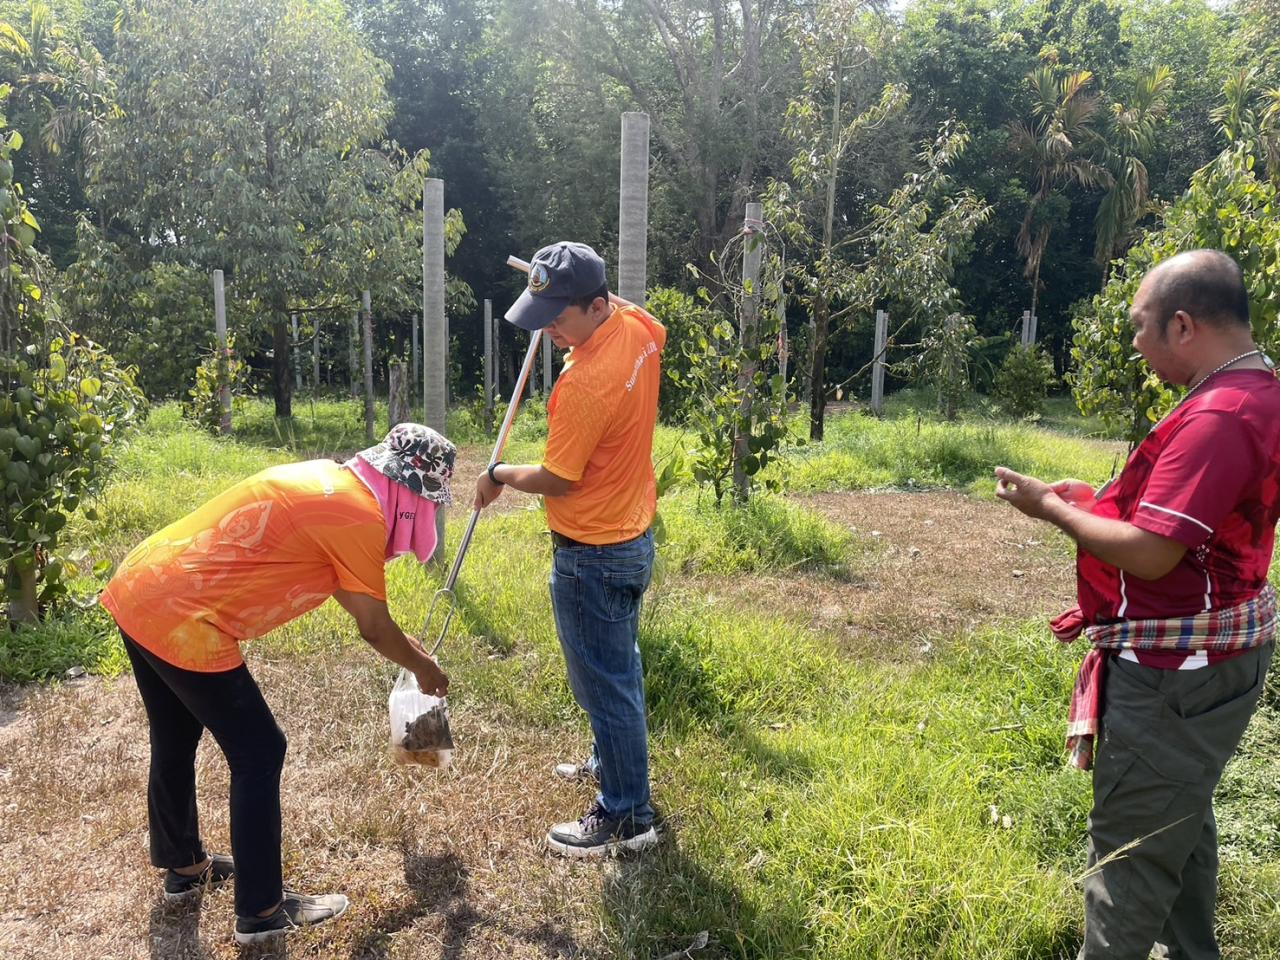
[{"x": 411, "y": 519}]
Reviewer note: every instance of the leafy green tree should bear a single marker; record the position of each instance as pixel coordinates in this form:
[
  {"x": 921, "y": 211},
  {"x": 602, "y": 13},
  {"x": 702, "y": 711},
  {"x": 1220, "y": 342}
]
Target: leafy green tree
[
  {"x": 968, "y": 60},
  {"x": 708, "y": 72},
  {"x": 64, "y": 403},
  {"x": 1250, "y": 115},
  {"x": 911, "y": 242},
  {"x": 1228, "y": 207},
  {"x": 63, "y": 97},
  {"x": 725, "y": 405},
  {"x": 1258, "y": 39},
  {"x": 1194, "y": 37},
  {"x": 1128, "y": 137},
  {"x": 458, "y": 88},
  {"x": 155, "y": 315},
  {"x": 1058, "y": 145},
  {"x": 944, "y": 359},
  {"x": 832, "y": 115},
  {"x": 1023, "y": 381},
  {"x": 251, "y": 141}
]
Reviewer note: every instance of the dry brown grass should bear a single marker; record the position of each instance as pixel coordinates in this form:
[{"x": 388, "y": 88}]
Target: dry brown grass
[
  {"x": 447, "y": 865},
  {"x": 940, "y": 563}
]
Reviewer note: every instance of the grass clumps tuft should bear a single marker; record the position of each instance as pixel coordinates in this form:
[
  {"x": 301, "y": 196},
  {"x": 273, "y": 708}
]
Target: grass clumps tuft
[
  {"x": 768, "y": 534},
  {"x": 75, "y": 638}
]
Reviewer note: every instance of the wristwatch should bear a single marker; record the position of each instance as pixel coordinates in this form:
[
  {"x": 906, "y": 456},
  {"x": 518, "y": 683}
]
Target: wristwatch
[{"x": 492, "y": 477}]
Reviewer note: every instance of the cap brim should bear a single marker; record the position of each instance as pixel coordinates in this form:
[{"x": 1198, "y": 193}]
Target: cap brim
[{"x": 535, "y": 313}]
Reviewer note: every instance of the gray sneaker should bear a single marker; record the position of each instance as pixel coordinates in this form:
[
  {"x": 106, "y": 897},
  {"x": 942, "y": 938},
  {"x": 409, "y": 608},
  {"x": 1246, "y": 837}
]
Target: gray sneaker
[
  {"x": 295, "y": 912},
  {"x": 584, "y": 771},
  {"x": 597, "y": 834}
]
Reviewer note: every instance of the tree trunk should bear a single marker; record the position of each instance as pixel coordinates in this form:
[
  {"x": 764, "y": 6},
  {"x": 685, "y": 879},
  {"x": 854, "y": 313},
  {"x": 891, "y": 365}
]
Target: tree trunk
[
  {"x": 817, "y": 372},
  {"x": 822, "y": 303},
  {"x": 398, "y": 380},
  {"x": 24, "y": 607},
  {"x": 281, "y": 381}
]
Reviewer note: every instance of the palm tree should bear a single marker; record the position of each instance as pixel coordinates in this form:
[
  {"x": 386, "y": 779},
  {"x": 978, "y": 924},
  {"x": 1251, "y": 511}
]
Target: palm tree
[
  {"x": 66, "y": 84},
  {"x": 1130, "y": 133},
  {"x": 1250, "y": 114},
  {"x": 1060, "y": 141}
]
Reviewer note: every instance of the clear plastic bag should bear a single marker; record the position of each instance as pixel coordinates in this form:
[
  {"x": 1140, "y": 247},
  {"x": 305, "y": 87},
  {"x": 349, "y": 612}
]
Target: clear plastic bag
[{"x": 419, "y": 724}]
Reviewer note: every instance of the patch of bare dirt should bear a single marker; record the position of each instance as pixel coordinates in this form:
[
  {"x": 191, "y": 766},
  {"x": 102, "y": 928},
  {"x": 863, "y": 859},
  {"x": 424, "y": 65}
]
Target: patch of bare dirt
[
  {"x": 469, "y": 465},
  {"x": 939, "y": 563}
]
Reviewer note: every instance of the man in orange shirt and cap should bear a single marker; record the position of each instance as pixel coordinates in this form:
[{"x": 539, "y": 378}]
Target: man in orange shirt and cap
[
  {"x": 597, "y": 478},
  {"x": 267, "y": 550}
]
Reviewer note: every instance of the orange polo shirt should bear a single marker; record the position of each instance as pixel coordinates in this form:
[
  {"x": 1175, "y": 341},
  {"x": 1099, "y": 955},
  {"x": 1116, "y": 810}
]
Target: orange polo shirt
[
  {"x": 265, "y": 551},
  {"x": 600, "y": 422}
]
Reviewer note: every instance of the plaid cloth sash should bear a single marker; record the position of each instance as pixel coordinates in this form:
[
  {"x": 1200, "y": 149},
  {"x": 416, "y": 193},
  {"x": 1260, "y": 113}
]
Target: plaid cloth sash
[{"x": 1230, "y": 630}]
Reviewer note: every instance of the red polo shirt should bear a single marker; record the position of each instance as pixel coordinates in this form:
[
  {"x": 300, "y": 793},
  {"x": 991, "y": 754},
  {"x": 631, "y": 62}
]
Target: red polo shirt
[{"x": 1207, "y": 476}]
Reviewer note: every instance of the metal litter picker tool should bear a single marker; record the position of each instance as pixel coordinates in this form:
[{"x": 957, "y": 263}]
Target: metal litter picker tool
[{"x": 420, "y": 722}]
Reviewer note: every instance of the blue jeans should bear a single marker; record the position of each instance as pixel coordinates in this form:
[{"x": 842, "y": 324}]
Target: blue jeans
[{"x": 595, "y": 595}]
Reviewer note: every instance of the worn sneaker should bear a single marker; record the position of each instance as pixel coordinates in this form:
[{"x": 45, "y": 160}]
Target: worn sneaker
[
  {"x": 597, "y": 834},
  {"x": 585, "y": 771},
  {"x": 178, "y": 887},
  {"x": 296, "y": 912}
]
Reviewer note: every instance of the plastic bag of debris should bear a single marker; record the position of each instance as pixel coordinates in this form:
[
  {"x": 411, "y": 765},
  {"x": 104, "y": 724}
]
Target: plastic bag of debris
[{"x": 419, "y": 725}]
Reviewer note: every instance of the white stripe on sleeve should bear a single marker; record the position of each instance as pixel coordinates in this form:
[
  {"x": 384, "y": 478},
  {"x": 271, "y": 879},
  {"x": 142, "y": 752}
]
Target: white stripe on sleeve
[{"x": 1175, "y": 513}]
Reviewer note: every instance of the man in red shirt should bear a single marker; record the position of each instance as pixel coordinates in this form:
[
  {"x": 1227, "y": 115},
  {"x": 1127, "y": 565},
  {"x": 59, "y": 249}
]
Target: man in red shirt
[{"x": 1172, "y": 587}]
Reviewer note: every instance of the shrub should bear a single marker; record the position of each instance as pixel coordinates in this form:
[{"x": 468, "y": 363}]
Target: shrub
[
  {"x": 685, "y": 321},
  {"x": 1024, "y": 381}
]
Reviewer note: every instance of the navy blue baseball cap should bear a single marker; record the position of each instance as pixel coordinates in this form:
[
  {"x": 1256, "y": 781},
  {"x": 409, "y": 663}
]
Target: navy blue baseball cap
[{"x": 558, "y": 273}]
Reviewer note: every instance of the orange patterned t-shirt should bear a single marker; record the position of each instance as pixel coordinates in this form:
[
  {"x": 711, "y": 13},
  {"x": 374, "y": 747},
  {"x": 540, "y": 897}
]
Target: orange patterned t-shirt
[
  {"x": 267, "y": 550},
  {"x": 600, "y": 422}
]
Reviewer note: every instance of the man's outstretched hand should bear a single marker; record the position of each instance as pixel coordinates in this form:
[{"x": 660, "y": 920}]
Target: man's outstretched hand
[{"x": 1027, "y": 494}]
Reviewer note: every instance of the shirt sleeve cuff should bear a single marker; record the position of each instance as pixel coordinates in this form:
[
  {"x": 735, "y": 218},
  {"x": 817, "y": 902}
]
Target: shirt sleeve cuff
[
  {"x": 1186, "y": 530},
  {"x": 352, "y": 585},
  {"x": 564, "y": 473}
]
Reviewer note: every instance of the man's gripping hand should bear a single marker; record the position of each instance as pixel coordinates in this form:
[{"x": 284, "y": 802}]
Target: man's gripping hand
[
  {"x": 486, "y": 491},
  {"x": 1077, "y": 493}
]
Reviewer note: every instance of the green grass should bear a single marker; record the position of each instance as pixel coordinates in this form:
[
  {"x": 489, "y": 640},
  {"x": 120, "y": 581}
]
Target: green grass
[
  {"x": 859, "y": 451},
  {"x": 769, "y": 534},
  {"x": 820, "y": 807},
  {"x": 1060, "y": 412}
]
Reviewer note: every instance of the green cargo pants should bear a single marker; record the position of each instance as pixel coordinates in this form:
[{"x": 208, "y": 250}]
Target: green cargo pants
[{"x": 1166, "y": 736}]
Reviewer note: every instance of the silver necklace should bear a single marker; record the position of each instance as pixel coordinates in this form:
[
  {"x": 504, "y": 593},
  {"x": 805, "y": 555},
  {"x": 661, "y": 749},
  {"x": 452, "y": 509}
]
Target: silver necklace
[{"x": 1219, "y": 369}]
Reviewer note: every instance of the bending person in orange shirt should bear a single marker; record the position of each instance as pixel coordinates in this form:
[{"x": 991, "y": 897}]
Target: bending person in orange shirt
[
  {"x": 272, "y": 547},
  {"x": 597, "y": 477}
]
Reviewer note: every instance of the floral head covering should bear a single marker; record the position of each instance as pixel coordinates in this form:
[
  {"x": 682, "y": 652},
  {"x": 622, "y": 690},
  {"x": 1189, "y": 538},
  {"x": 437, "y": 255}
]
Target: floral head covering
[{"x": 416, "y": 457}]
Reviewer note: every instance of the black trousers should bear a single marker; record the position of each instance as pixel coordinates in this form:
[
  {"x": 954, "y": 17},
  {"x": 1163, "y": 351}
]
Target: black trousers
[{"x": 181, "y": 705}]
